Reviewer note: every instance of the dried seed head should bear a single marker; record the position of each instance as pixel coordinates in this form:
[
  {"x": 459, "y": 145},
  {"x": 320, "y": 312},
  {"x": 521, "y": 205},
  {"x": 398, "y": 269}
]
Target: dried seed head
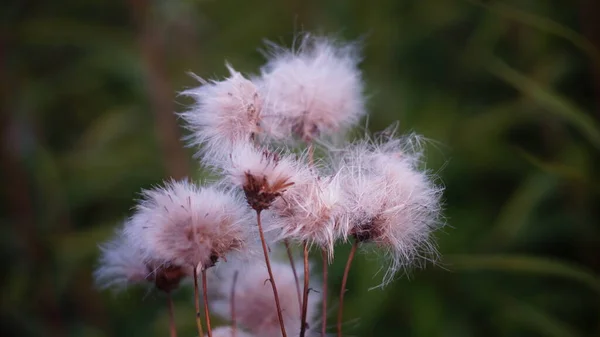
[
  {"x": 262, "y": 175},
  {"x": 226, "y": 331},
  {"x": 255, "y": 309},
  {"x": 185, "y": 225},
  {"x": 313, "y": 212},
  {"x": 391, "y": 202},
  {"x": 314, "y": 90},
  {"x": 225, "y": 113},
  {"x": 123, "y": 264}
]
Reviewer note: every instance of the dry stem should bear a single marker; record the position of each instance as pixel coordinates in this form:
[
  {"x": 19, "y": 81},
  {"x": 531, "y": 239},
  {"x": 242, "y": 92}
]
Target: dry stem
[
  {"x": 233, "y": 317},
  {"x": 271, "y": 279},
  {"x": 305, "y": 297},
  {"x": 293, "y": 264},
  {"x": 172, "y": 326},
  {"x": 197, "y": 301},
  {"x": 343, "y": 289},
  {"x": 324, "y": 304},
  {"x": 205, "y": 295}
]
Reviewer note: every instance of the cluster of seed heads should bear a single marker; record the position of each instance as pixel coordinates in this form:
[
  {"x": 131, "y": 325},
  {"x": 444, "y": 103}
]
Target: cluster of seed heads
[{"x": 274, "y": 141}]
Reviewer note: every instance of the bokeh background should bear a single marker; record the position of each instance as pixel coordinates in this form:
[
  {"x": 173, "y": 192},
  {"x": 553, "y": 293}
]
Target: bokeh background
[{"x": 507, "y": 90}]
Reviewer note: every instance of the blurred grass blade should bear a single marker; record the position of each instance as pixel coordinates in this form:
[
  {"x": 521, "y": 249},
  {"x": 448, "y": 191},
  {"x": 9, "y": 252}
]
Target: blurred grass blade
[
  {"x": 556, "y": 169},
  {"x": 545, "y": 25},
  {"x": 516, "y": 211},
  {"x": 524, "y": 264},
  {"x": 547, "y": 99},
  {"x": 537, "y": 320}
]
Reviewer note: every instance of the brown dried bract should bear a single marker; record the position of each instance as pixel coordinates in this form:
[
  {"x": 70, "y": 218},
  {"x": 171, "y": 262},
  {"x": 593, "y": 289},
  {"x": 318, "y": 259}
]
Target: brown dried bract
[
  {"x": 260, "y": 194},
  {"x": 166, "y": 278},
  {"x": 368, "y": 230}
]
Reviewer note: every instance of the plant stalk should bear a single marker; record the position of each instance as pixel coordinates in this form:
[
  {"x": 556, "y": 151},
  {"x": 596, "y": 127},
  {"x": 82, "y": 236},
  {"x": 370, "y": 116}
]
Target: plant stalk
[
  {"x": 271, "y": 278},
  {"x": 343, "y": 289},
  {"x": 197, "y": 302}
]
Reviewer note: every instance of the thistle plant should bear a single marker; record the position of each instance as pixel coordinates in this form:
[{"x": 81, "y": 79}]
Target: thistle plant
[{"x": 260, "y": 135}]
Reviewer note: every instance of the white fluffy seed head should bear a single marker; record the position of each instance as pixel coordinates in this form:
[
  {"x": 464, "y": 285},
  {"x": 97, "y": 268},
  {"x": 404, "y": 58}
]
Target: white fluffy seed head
[
  {"x": 314, "y": 212},
  {"x": 391, "y": 201},
  {"x": 121, "y": 264},
  {"x": 255, "y": 308},
  {"x": 186, "y": 225},
  {"x": 226, "y": 112},
  {"x": 226, "y": 331},
  {"x": 262, "y": 174},
  {"x": 312, "y": 91}
]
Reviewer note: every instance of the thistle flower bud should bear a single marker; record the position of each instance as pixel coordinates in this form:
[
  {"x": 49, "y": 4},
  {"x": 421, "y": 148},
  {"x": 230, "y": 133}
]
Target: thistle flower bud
[
  {"x": 255, "y": 308},
  {"x": 312, "y": 91},
  {"x": 185, "y": 225},
  {"x": 226, "y": 112}
]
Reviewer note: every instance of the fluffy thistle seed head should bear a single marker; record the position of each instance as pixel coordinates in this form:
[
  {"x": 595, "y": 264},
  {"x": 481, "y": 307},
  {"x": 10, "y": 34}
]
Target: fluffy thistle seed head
[
  {"x": 226, "y": 331},
  {"x": 314, "y": 212},
  {"x": 226, "y": 112},
  {"x": 392, "y": 202},
  {"x": 255, "y": 308},
  {"x": 263, "y": 175},
  {"x": 123, "y": 264},
  {"x": 185, "y": 225},
  {"x": 316, "y": 89}
]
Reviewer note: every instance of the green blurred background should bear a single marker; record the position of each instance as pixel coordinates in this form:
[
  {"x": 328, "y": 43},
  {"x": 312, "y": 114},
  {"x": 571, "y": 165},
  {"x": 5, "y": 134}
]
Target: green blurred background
[{"x": 508, "y": 90}]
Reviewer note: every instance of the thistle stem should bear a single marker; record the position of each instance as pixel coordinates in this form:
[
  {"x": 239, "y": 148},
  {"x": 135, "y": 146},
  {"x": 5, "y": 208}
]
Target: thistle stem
[
  {"x": 343, "y": 289},
  {"x": 197, "y": 301},
  {"x": 305, "y": 298},
  {"x": 271, "y": 279},
  {"x": 293, "y": 264},
  {"x": 172, "y": 326},
  {"x": 311, "y": 154},
  {"x": 205, "y": 295},
  {"x": 324, "y": 303},
  {"x": 233, "y": 317}
]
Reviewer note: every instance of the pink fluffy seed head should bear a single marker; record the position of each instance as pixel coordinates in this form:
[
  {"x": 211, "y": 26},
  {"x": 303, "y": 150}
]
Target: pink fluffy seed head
[
  {"x": 262, "y": 174},
  {"x": 312, "y": 91},
  {"x": 391, "y": 201},
  {"x": 186, "y": 225},
  {"x": 226, "y": 112},
  {"x": 226, "y": 331},
  {"x": 121, "y": 264},
  {"x": 255, "y": 308},
  {"x": 313, "y": 212}
]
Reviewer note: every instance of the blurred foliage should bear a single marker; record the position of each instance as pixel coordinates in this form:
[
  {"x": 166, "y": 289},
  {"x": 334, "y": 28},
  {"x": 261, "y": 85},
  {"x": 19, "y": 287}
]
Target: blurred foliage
[{"x": 508, "y": 92}]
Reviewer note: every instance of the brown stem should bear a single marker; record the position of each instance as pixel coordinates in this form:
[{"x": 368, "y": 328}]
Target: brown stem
[
  {"x": 197, "y": 301},
  {"x": 271, "y": 278},
  {"x": 205, "y": 295},
  {"x": 172, "y": 326},
  {"x": 305, "y": 297},
  {"x": 293, "y": 264},
  {"x": 324, "y": 303},
  {"x": 233, "y": 317},
  {"x": 343, "y": 289},
  {"x": 311, "y": 154}
]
